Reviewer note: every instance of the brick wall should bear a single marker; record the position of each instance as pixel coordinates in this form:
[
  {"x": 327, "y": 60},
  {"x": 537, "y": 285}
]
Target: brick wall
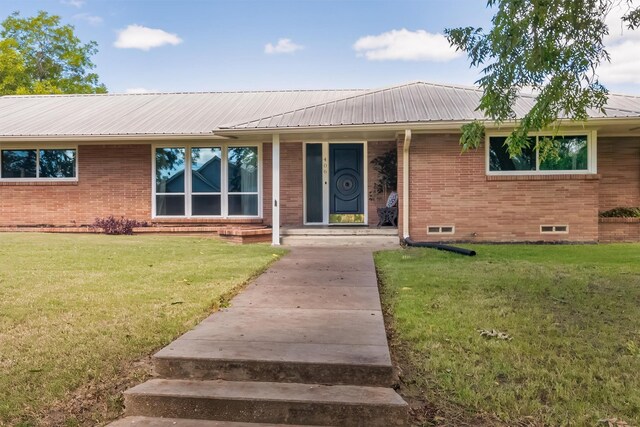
[
  {"x": 291, "y": 184},
  {"x": 619, "y": 166},
  {"x": 449, "y": 188},
  {"x": 113, "y": 180}
]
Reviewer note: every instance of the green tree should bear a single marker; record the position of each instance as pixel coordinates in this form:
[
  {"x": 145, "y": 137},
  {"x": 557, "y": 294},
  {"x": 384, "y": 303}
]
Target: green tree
[
  {"x": 553, "y": 47},
  {"x": 40, "y": 55}
]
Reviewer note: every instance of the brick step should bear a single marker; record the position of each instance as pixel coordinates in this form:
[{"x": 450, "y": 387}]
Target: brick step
[
  {"x": 268, "y": 402},
  {"x": 177, "y": 422}
]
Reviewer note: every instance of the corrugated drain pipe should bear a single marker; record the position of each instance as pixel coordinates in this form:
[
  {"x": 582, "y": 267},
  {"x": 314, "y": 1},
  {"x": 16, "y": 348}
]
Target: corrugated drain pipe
[{"x": 405, "y": 206}]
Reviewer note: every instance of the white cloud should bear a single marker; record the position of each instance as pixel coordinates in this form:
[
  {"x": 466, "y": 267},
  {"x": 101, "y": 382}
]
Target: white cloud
[
  {"x": 74, "y": 3},
  {"x": 623, "y": 46},
  {"x": 283, "y": 46},
  {"x": 90, "y": 19},
  {"x": 140, "y": 90},
  {"x": 406, "y": 45},
  {"x": 144, "y": 38}
]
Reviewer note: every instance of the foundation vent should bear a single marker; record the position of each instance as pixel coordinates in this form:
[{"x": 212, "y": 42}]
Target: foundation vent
[
  {"x": 441, "y": 229},
  {"x": 554, "y": 229}
]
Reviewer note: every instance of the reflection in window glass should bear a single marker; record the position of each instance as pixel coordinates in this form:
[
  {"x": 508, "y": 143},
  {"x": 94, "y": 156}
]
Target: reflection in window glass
[
  {"x": 205, "y": 170},
  {"x": 170, "y": 170},
  {"x": 243, "y": 169},
  {"x": 243, "y": 204},
  {"x": 19, "y": 163},
  {"x": 57, "y": 163},
  {"x": 170, "y": 205},
  {"x": 205, "y": 204},
  {"x": 572, "y": 154},
  {"x": 499, "y": 159}
]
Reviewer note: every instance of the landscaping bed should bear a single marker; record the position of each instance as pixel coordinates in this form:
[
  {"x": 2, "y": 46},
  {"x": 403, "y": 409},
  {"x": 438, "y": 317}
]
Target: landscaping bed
[
  {"x": 518, "y": 335},
  {"x": 80, "y": 314}
]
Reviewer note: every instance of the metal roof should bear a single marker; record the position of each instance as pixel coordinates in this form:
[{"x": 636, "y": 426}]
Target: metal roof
[
  {"x": 416, "y": 102},
  {"x": 147, "y": 114},
  {"x": 192, "y": 114}
]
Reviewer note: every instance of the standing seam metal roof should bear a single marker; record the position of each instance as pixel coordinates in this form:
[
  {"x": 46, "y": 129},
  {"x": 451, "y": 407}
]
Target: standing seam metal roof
[{"x": 412, "y": 103}]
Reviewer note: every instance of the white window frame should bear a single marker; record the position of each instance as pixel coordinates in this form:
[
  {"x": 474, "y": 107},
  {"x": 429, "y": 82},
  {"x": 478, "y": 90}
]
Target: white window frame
[
  {"x": 37, "y": 148},
  {"x": 224, "y": 192},
  {"x": 592, "y": 154}
]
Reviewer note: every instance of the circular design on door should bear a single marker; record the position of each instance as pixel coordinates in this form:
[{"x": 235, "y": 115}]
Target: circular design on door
[{"x": 347, "y": 183}]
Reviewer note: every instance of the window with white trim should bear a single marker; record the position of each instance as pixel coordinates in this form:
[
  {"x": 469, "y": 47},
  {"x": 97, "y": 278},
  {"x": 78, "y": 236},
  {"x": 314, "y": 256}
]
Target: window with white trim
[
  {"x": 567, "y": 154},
  {"x": 38, "y": 164},
  {"x": 207, "y": 181}
]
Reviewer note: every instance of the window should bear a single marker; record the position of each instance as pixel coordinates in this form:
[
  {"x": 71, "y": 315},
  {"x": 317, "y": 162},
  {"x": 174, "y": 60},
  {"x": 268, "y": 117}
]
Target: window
[
  {"x": 546, "y": 229},
  {"x": 569, "y": 154},
  {"x": 170, "y": 189},
  {"x": 221, "y": 181},
  {"x": 50, "y": 164},
  {"x": 243, "y": 181}
]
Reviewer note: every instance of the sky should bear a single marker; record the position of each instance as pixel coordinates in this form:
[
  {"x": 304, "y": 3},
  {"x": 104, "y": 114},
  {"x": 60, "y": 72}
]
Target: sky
[{"x": 200, "y": 45}]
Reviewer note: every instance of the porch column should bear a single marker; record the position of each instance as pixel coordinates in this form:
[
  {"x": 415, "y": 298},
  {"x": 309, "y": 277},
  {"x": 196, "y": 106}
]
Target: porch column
[
  {"x": 275, "y": 177},
  {"x": 405, "y": 183}
]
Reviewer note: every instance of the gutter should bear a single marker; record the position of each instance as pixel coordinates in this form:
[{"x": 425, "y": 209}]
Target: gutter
[{"x": 405, "y": 183}]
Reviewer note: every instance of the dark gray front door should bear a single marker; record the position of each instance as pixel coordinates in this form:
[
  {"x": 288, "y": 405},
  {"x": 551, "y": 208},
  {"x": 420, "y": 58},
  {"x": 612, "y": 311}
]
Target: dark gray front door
[{"x": 346, "y": 183}]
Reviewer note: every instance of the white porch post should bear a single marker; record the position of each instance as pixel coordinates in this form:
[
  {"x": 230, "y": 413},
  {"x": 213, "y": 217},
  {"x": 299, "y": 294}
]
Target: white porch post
[
  {"x": 405, "y": 183},
  {"x": 275, "y": 178}
]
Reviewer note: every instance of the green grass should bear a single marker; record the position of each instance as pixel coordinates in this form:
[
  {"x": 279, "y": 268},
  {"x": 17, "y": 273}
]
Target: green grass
[
  {"x": 76, "y": 310},
  {"x": 573, "y": 313}
]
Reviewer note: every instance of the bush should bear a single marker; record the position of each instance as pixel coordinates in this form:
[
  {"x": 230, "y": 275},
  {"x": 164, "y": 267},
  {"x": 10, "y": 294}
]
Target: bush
[
  {"x": 621, "y": 213},
  {"x": 118, "y": 226}
]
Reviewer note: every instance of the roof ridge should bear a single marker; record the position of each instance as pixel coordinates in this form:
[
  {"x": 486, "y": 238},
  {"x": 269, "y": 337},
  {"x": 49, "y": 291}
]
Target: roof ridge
[
  {"x": 79, "y": 95},
  {"x": 368, "y": 92}
]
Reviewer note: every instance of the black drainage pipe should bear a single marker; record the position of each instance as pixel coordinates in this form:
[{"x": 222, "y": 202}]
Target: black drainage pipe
[{"x": 440, "y": 247}]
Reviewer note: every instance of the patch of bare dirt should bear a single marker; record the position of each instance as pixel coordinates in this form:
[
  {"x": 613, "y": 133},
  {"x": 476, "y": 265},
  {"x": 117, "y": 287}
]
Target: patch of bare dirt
[{"x": 98, "y": 402}]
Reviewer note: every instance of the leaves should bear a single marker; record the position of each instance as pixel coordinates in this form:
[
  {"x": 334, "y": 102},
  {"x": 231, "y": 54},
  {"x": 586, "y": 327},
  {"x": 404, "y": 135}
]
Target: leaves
[
  {"x": 39, "y": 55},
  {"x": 550, "y": 47},
  {"x": 492, "y": 333},
  {"x": 472, "y": 135}
]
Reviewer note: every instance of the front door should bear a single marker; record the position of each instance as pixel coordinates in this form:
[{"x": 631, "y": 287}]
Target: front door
[{"x": 347, "y": 188}]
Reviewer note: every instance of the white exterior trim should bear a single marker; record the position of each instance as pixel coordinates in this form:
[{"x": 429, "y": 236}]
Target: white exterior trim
[
  {"x": 224, "y": 193},
  {"x": 405, "y": 183},
  {"x": 275, "y": 206},
  {"x": 592, "y": 153},
  {"x": 37, "y": 147}
]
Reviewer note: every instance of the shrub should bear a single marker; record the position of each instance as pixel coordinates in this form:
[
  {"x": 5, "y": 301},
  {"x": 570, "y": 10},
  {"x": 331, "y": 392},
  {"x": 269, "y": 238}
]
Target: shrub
[
  {"x": 621, "y": 213},
  {"x": 113, "y": 225}
]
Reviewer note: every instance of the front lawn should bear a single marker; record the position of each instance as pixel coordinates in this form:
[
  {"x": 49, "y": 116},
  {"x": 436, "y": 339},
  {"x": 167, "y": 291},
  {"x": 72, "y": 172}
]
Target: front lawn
[
  {"x": 572, "y": 314},
  {"x": 78, "y": 311}
]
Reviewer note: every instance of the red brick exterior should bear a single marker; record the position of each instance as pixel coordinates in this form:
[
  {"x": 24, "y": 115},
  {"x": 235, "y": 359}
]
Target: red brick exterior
[
  {"x": 446, "y": 187},
  {"x": 112, "y": 180},
  {"x": 619, "y": 166},
  {"x": 449, "y": 188}
]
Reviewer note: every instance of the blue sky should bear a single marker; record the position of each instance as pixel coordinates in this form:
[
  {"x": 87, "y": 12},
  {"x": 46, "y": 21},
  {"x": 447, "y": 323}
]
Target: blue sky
[{"x": 203, "y": 45}]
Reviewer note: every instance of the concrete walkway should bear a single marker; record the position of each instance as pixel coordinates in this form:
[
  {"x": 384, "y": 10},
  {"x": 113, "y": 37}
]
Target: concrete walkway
[{"x": 304, "y": 344}]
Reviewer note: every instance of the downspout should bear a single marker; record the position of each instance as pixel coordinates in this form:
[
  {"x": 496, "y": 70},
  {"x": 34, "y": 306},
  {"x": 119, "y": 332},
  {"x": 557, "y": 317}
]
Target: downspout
[
  {"x": 405, "y": 184},
  {"x": 405, "y": 207}
]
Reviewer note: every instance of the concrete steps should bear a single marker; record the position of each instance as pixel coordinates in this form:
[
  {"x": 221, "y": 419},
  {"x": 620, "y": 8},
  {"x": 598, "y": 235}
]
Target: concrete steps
[
  {"x": 304, "y": 344},
  {"x": 340, "y": 236},
  {"x": 267, "y": 402},
  {"x": 138, "y": 421}
]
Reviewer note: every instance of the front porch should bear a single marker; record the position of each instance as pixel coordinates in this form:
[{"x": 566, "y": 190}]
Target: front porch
[{"x": 343, "y": 235}]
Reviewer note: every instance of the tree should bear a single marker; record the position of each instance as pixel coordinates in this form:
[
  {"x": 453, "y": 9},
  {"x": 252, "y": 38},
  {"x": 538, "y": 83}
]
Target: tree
[
  {"x": 40, "y": 55},
  {"x": 554, "y": 48}
]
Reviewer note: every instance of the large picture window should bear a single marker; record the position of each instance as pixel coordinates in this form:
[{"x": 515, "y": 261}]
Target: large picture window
[
  {"x": 34, "y": 164},
  {"x": 200, "y": 181},
  {"x": 570, "y": 154}
]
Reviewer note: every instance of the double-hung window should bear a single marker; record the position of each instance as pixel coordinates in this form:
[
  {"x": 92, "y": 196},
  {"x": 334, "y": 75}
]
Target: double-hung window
[
  {"x": 568, "y": 154},
  {"x": 38, "y": 164},
  {"x": 207, "y": 181}
]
